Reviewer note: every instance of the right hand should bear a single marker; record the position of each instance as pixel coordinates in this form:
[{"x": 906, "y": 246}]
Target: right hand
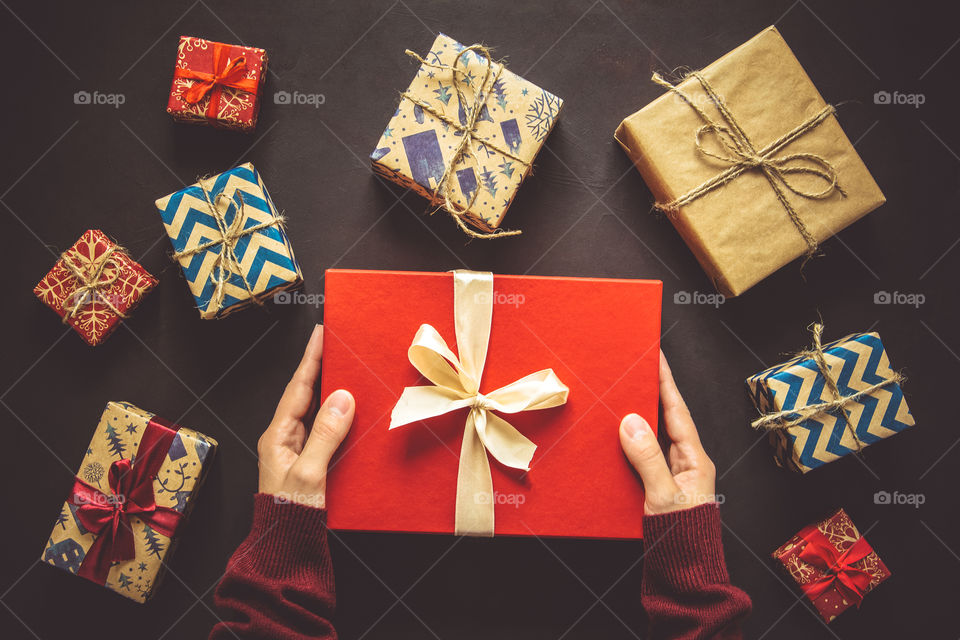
[{"x": 689, "y": 479}]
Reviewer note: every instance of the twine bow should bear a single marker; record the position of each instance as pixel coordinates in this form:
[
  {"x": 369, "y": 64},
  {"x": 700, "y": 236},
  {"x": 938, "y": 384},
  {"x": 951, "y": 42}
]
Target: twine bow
[
  {"x": 792, "y": 417},
  {"x": 456, "y": 385},
  {"x": 227, "y": 262},
  {"x": 468, "y": 131},
  {"x": 226, "y": 73},
  {"x": 94, "y": 278},
  {"x": 739, "y": 152},
  {"x": 838, "y": 570}
]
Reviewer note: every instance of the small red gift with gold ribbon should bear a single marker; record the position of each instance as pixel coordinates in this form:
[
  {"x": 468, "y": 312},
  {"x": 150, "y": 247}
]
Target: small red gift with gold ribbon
[
  {"x": 834, "y": 565},
  {"x": 216, "y": 83},
  {"x": 135, "y": 487}
]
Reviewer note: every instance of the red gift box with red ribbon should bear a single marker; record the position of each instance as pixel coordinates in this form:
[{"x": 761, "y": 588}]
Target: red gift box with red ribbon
[
  {"x": 135, "y": 487},
  {"x": 834, "y": 565},
  {"x": 217, "y": 84}
]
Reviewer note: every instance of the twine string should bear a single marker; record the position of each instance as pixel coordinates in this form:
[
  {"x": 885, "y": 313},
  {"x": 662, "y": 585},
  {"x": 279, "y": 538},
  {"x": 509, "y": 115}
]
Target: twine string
[
  {"x": 469, "y": 136},
  {"x": 93, "y": 280},
  {"x": 739, "y": 152},
  {"x": 780, "y": 420},
  {"x": 227, "y": 262}
]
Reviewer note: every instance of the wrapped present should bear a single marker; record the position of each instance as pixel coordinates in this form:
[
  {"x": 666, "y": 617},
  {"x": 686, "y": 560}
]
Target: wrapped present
[
  {"x": 230, "y": 241},
  {"x": 833, "y": 564},
  {"x": 218, "y": 84},
  {"x": 749, "y": 163},
  {"x": 94, "y": 286},
  {"x": 465, "y": 134},
  {"x": 829, "y": 401},
  {"x": 135, "y": 488},
  {"x": 486, "y": 407}
]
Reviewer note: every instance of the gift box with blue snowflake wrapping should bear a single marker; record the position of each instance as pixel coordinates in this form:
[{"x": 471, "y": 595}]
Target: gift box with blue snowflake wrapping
[
  {"x": 421, "y": 141},
  {"x": 873, "y": 402},
  {"x": 230, "y": 240},
  {"x": 135, "y": 488}
]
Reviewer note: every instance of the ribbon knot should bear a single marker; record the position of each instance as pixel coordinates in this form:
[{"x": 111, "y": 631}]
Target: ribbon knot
[
  {"x": 467, "y": 131},
  {"x": 742, "y": 156},
  {"x": 95, "y": 277},
  {"x": 456, "y": 384},
  {"x": 226, "y": 262},
  {"x": 837, "y": 568},
  {"x": 226, "y": 73},
  {"x": 107, "y": 515}
]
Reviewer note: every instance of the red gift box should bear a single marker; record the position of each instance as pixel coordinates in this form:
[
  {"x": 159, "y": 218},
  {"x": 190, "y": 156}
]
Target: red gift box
[
  {"x": 833, "y": 564},
  {"x": 216, "y": 83},
  {"x": 93, "y": 285},
  {"x": 599, "y": 336}
]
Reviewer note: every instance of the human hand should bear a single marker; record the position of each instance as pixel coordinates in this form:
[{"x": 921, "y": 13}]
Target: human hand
[
  {"x": 689, "y": 479},
  {"x": 293, "y": 463}
]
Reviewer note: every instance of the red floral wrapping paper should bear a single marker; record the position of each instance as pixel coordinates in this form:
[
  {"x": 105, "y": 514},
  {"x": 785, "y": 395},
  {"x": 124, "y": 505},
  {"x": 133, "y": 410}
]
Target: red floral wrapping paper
[
  {"x": 839, "y": 532},
  {"x": 95, "y": 320},
  {"x": 225, "y": 106}
]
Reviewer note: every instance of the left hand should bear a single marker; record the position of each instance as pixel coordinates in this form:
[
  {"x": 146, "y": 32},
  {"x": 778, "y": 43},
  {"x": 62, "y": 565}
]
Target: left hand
[{"x": 293, "y": 463}]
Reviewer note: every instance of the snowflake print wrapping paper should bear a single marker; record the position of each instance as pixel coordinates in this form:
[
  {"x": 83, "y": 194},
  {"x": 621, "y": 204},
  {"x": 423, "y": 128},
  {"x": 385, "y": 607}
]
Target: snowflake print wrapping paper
[
  {"x": 840, "y": 538},
  {"x": 233, "y": 76},
  {"x": 121, "y": 284},
  {"x": 182, "y": 457},
  {"x": 416, "y": 147}
]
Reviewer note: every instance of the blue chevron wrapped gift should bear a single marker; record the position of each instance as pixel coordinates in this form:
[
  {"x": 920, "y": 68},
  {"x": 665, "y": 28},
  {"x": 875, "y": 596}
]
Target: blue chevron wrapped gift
[
  {"x": 829, "y": 401},
  {"x": 230, "y": 241}
]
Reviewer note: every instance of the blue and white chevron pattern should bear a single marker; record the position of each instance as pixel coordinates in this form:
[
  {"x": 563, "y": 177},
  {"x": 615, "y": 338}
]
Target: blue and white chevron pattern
[
  {"x": 265, "y": 256},
  {"x": 856, "y": 362}
]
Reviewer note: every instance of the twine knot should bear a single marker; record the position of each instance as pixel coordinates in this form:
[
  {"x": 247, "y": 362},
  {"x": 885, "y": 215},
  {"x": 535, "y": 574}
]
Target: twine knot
[
  {"x": 468, "y": 133},
  {"x": 99, "y": 275},
  {"x": 737, "y": 150}
]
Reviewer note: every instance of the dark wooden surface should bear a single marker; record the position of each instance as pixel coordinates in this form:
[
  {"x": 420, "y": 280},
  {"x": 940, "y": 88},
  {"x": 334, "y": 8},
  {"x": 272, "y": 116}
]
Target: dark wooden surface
[{"x": 67, "y": 167}]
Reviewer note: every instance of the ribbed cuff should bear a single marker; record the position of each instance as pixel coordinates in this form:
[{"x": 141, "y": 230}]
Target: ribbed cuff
[
  {"x": 684, "y": 549},
  {"x": 286, "y": 538}
]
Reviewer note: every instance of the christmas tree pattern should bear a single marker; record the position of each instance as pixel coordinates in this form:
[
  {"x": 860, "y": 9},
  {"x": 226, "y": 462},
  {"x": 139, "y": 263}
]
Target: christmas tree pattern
[
  {"x": 489, "y": 181},
  {"x": 500, "y": 93},
  {"x": 154, "y": 545},
  {"x": 117, "y": 447}
]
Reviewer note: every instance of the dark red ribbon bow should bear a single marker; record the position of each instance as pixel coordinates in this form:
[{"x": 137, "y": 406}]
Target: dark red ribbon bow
[
  {"x": 838, "y": 570},
  {"x": 107, "y": 515},
  {"x": 226, "y": 73}
]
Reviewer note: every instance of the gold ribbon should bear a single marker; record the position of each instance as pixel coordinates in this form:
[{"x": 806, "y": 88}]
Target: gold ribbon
[
  {"x": 739, "y": 152},
  {"x": 469, "y": 135},
  {"x": 783, "y": 420},
  {"x": 93, "y": 279},
  {"x": 226, "y": 261},
  {"x": 456, "y": 385}
]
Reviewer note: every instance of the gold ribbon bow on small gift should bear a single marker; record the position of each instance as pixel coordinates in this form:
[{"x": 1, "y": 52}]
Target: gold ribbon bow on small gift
[
  {"x": 742, "y": 156},
  {"x": 226, "y": 262},
  {"x": 467, "y": 131},
  {"x": 456, "y": 385}
]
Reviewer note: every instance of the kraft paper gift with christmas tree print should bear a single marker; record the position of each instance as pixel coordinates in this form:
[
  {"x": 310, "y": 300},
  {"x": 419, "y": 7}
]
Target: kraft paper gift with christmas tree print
[
  {"x": 749, "y": 163},
  {"x": 135, "y": 488},
  {"x": 465, "y": 134}
]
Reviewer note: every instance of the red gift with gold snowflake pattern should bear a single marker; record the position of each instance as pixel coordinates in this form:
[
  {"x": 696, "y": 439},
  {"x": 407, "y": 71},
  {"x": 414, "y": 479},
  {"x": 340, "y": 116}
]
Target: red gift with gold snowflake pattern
[
  {"x": 217, "y": 84},
  {"x": 94, "y": 285},
  {"x": 834, "y": 565}
]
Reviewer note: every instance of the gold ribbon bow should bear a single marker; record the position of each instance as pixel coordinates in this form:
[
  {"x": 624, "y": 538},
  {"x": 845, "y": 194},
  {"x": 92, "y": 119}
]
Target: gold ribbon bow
[
  {"x": 93, "y": 279},
  {"x": 793, "y": 417},
  {"x": 456, "y": 385},
  {"x": 740, "y": 153},
  {"x": 226, "y": 262},
  {"x": 446, "y": 184}
]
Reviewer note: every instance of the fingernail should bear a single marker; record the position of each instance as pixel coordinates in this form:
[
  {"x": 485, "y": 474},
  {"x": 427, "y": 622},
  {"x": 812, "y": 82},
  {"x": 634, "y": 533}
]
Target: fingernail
[
  {"x": 339, "y": 402},
  {"x": 635, "y": 426}
]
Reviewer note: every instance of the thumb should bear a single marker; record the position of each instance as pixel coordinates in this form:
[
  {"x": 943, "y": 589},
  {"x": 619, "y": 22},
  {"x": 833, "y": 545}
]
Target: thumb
[
  {"x": 330, "y": 427},
  {"x": 644, "y": 453}
]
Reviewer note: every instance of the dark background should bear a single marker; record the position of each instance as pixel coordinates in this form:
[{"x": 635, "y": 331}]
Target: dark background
[{"x": 66, "y": 168}]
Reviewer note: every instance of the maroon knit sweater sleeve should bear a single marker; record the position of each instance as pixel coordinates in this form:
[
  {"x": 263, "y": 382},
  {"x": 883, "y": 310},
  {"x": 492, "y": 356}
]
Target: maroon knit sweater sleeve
[
  {"x": 279, "y": 582},
  {"x": 686, "y": 590}
]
